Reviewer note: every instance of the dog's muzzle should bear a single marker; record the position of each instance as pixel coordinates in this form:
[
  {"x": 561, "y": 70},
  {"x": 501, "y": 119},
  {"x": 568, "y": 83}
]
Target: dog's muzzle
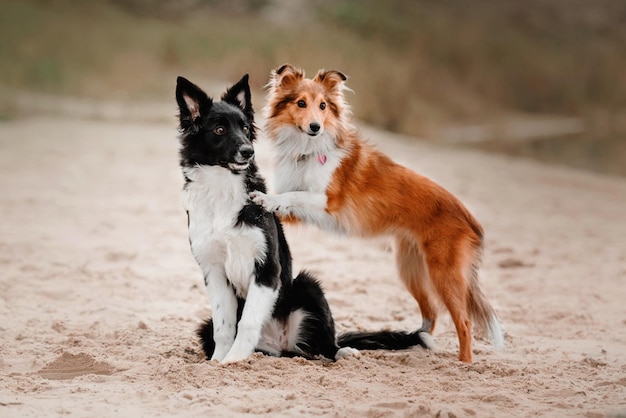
[{"x": 243, "y": 158}]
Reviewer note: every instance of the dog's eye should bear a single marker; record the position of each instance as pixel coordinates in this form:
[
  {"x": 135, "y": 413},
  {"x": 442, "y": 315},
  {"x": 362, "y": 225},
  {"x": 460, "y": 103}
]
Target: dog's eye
[
  {"x": 301, "y": 103},
  {"x": 246, "y": 130},
  {"x": 219, "y": 130},
  {"x": 322, "y": 105}
]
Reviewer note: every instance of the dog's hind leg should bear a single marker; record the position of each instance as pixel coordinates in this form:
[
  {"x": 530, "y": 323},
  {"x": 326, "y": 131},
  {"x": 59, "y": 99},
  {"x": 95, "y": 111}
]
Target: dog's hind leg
[
  {"x": 452, "y": 285},
  {"x": 414, "y": 274},
  {"x": 315, "y": 326}
]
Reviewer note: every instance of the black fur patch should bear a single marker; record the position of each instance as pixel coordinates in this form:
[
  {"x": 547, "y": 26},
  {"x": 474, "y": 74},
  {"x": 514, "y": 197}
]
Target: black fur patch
[{"x": 251, "y": 214}]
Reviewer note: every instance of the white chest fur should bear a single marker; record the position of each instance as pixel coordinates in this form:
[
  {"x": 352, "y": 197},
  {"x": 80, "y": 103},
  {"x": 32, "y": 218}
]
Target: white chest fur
[
  {"x": 213, "y": 199},
  {"x": 304, "y": 163}
]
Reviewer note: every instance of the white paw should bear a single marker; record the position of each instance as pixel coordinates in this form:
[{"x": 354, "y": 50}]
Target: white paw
[
  {"x": 271, "y": 203},
  {"x": 234, "y": 358},
  {"x": 219, "y": 353},
  {"x": 347, "y": 352},
  {"x": 231, "y": 361},
  {"x": 262, "y": 200}
]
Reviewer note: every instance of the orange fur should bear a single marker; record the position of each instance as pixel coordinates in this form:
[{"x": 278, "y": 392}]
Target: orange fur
[{"x": 438, "y": 242}]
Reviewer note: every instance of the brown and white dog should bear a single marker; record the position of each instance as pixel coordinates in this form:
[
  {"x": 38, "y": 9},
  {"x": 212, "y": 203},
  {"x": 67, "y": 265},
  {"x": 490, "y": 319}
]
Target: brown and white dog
[{"x": 327, "y": 176}]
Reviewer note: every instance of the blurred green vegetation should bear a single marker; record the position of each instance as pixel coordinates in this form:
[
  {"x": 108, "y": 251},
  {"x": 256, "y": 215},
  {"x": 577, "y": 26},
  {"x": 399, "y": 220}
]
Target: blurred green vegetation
[{"x": 413, "y": 65}]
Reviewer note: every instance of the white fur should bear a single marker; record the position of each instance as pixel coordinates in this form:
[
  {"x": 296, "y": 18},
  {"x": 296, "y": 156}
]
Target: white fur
[
  {"x": 496, "y": 334},
  {"x": 277, "y": 337},
  {"x": 214, "y": 199},
  {"x": 307, "y": 206},
  {"x": 301, "y": 179},
  {"x": 224, "y": 304},
  {"x": 297, "y": 166},
  {"x": 227, "y": 257},
  {"x": 428, "y": 339},
  {"x": 347, "y": 352},
  {"x": 256, "y": 312}
]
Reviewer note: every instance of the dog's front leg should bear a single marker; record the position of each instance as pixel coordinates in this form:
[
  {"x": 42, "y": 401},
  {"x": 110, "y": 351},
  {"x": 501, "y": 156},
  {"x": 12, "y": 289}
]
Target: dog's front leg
[
  {"x": 308, "y": 207},
  {"x": 224, "y": 307},
  {"x": 256, "y": 311}
]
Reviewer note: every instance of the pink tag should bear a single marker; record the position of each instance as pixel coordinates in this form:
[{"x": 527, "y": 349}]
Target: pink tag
[{"x": 321, "y": 159}]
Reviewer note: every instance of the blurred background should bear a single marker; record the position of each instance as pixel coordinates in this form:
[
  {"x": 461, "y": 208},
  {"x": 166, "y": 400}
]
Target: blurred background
[{"x": 544, "y": 79}]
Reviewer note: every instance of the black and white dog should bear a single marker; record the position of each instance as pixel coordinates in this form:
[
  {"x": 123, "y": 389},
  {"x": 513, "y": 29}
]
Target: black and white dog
[{"x": 241, "y": 249}]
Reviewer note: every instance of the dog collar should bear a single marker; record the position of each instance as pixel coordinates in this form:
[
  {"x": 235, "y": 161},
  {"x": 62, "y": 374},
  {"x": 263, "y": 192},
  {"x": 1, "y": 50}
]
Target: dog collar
[{"x": 321, "y": 158}]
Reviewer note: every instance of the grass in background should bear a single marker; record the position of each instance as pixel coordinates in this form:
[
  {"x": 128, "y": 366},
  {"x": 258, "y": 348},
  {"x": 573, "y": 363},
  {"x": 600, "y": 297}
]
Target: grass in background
[
  {"x": 414, "y": 65},
  {"x": 408, "y": 61}
]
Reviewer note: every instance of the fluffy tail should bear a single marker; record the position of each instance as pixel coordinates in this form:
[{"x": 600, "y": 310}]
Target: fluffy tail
[
  {"x": 385, "y": 340},
  {"x": 482, "y": 314},
  {"x": 205, "y": 333}
]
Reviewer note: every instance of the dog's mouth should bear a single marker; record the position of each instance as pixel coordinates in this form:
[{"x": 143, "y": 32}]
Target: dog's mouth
[
  {"x": 239, "y": 166},
  {"x": 241, "y": 160}
]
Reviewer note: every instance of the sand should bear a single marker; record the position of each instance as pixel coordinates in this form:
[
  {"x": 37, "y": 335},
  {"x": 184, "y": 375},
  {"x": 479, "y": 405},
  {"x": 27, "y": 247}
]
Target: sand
[{"x": 100, "y": 296}]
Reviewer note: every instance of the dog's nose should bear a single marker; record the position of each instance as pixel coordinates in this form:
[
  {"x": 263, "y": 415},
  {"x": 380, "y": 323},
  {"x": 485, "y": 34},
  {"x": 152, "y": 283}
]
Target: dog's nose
[
  {"x": 314, "y": 127},
  {"x": 246, "y": 151}
]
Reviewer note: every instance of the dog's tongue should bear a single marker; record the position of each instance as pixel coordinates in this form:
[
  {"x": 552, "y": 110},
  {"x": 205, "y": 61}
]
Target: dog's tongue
[{"x": 321, "y": 159}]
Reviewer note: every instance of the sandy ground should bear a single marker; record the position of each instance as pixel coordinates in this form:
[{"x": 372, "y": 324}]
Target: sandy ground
[{"x": 100, "y": 296}]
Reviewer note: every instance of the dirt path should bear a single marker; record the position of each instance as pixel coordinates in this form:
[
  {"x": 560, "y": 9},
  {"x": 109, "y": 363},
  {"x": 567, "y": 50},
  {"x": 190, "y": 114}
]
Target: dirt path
[{"x": 100, "y": 297}]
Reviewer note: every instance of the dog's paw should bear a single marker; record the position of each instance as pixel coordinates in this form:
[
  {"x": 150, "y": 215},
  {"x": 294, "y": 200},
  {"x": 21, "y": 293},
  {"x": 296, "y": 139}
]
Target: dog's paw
[
  {"x": 235, "y": 358},
  {"x": 231, "y": 361},
  {"x": 347, "y": 352},
  {"x": 272, "y": 203},
  {"x": 262, "y": 200},
  {"x": 219, "y": 353}
]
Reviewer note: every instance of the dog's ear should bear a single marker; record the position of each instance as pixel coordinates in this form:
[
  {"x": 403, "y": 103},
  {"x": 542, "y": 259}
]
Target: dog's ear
[
  {"x": 239, "y": 95},
  {"x": 286, "y": 75},
  {"x": 192, "y": 101},
  {"x": 331, "y": 79}
]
